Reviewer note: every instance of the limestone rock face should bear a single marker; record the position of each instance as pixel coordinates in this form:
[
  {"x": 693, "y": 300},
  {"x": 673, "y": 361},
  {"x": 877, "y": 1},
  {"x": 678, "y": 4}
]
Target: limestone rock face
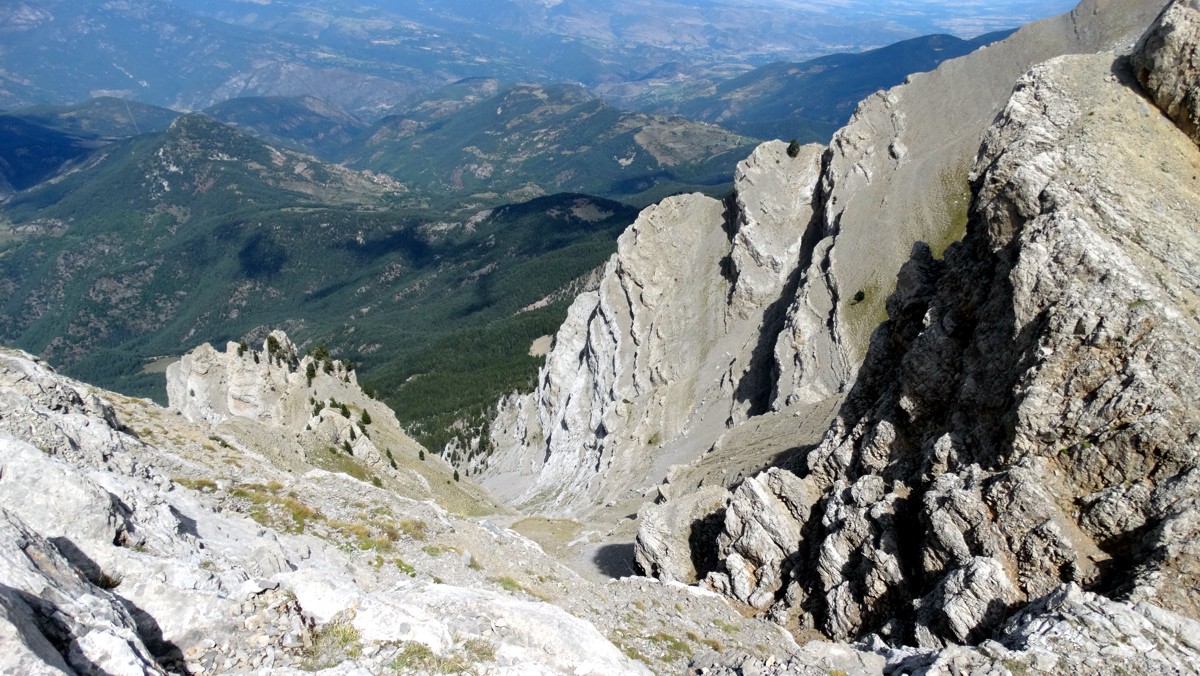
[
  {"x": 648, "y": 369},
  {"x": 55, "y": 621},
  {"x": 1024, "y": 418},
  {"x": 762, "y": 524},
  {"x": 897, "y": 174},
  {"x": 1168, "y": 67}
]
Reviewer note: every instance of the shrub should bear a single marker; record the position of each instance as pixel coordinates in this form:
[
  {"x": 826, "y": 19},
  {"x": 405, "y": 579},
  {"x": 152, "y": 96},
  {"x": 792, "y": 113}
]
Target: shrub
[{"x": 793, "y": 148}]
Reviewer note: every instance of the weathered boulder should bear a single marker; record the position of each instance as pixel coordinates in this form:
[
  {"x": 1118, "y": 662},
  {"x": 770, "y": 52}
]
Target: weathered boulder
[
  {"x": 1167, "y": 65},
  {"x": 762, "y": 525},
  {"x": 966, "y": 605},
  {"x": 673, "y": 535}
]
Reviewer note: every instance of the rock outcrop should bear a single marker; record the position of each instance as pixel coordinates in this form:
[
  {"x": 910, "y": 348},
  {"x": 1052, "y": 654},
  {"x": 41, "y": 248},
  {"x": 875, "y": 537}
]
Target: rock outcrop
[{"x": 1023, "y": 420}]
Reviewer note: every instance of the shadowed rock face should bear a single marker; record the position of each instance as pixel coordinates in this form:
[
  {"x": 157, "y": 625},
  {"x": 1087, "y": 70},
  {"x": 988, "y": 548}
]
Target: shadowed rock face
[{"x": 1024, "y": 419}]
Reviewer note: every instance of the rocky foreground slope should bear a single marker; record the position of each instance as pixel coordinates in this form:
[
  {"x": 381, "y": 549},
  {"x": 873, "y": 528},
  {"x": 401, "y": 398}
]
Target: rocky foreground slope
[{"x": 275, "y": 523}]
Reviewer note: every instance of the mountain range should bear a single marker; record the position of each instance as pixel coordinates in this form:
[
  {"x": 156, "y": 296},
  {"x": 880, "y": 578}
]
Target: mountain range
[{"x": 369, "y": 58}]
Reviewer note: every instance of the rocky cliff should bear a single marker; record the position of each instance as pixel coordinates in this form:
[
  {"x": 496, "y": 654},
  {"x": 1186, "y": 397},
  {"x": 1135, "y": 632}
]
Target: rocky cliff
[
  {"x": 762, "y": 308},
  {"x": 1021, "y": 429}
]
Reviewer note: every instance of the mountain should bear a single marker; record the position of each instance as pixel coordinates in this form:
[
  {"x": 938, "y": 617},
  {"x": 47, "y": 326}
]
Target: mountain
[
  {"x": 918, "y": 401},
  {"x": 529, "y": 140},
  {"x": 160, "y": 53},
  {"x": 301, "y": 123},
  {"x": 201, "y": 232},
  {"x": 810, "y": 100},
  {"x": 42, "y": 141}
]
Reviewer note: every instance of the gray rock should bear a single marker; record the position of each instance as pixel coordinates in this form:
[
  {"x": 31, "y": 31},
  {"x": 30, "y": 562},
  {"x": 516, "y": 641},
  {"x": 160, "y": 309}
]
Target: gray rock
[
  {"x": 1166, "y": 64},
  {"x": 762, "y": 526},
  {"x": 966, "y": 605},
  {"x": 58, "y": 618},
  {"x": 663, "y": 548}
]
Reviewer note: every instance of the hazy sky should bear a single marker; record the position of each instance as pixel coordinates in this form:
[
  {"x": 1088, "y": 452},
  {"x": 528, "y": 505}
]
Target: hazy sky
[{"x": 961, "y": 17}]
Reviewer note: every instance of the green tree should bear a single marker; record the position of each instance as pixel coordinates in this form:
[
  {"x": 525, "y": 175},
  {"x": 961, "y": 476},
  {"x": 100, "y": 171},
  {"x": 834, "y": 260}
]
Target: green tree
[
  {"x": 366, "y": 417},
  {"x": 793, "y": 148}
]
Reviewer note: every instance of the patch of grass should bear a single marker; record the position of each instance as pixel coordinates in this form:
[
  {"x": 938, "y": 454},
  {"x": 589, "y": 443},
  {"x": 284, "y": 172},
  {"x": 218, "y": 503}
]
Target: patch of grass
[
  {"x": 418, "y": 657},
  {"x": 414, "y": 528},
  {"x": 727, "y": 627},
  {"x": 631, "y": 652},
  {"x": 675, "y": 648},
  {"x": 301, "y": 513},
  {"x": 358, "y": 530},
  {"x": 507, "y": 583},
  {"x": 956, "y": 204},
  {"x": 479, "y": 650},
  {"x": 866, "y": 311},
  {"x": 105, "y": 581},
  {"x": 203, "y": 485},
  {"x": 286, "y": 513},
  {"x": 334, "y": 461},
  {"x": 331, "y": 644},
  {"x": 710, "y": 642},
  {"x": 405, "y": 568}
]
